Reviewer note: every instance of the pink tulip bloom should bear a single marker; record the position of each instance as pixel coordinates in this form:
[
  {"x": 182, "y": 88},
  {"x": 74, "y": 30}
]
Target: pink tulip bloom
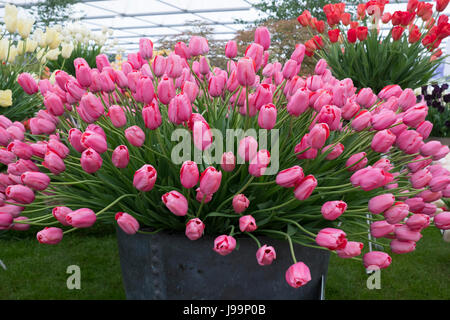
[
  {"x": 248, "y": 147},
  {"x": 331, "y": 115},
  {"x": 81, "y": 218},
  {"x": 303, "y": 150},
  {"x": 350, "y": 109},
  {"x": 91, "y": 161},
  {"x": 20, "y": 193},
  {"x": 231, "y": 49},
  {"x": 420, "y": 178},
  {"x": 351, "y": 249},
  {"x": 380, "y": 229},
  {"x": 415, "y": 115},
  {"x": 402, "y": 246},
  {"x": 376, "y": 259},
  {"x": 144, "y": 178},
  {"x": 120, "y": 157},
  {"x": 198, "y": 46},
  {"x": 262, "y": 37},
  {"x": 381, "y": 203},
  {"x": 224, "y": 245},
  {"x": 240, "y": 203},
  {"x": 36, "y": 180},
  {"x": 180, "y": 109},
  {"x": 439, "y": 183},
  {"x": 424, "y": 129},
  {"x": 265, "y": 255},
  {"x": 396, "y": 213},
  {"x": 189, "y": 174},
  {"x": 318, "y": 135},
  {"x": 259, "y": 163},
  {"x": 127, "y": 223},
  {"x": 135, "y": 136},
  {"x": 117, "y": 116},
  {"x": 175, "y": 202},
  {"x": 331, "y": 210},
  {"x": 331, "y": 238},
  {"x": 194, "y": 229},
  {"x": 245, "y": 71},
  {"x": 356, "y": 161},
  {"x": 442, "y": 220},
  {"x": 53, "y": 104},
  {"x": 247, "y": 224},
  {"x": 152, "y": 116},
  {"x": 298, "y": 275},
  {"x": 336, "y": 151},
  {"x": 298, "y": 103},
  {"x": 443, "y": 151},
  {"x": 409, "y": 141},
  {"x": 382, "y": 141},
  {"x": 267, "y": 116},
  {"x": 210, "y": 180},
  {"x": 305, "y": 187},
  {"x": 407, "y": 99},
  {"x": 60, "y": 214},
  {"x": 6, "y": 157},
  {"x": 75, "y": 139},
  {"x": 146, "y": 48},
  {"x": 6, "y": 219},
  {"x": 90, "y": 108},
  {"x": 202, "y": 197},
  {"x": 288, "y": 178},
  {"x": 102, "y": 61},
  {"x": 418, "y": 164},
  {"x": 361, "y": 120},
  {"x": 83, "y": 72},
  {"x": 18, "y": 224},
  {"x": 366, "y": 98},
  {"x": 228, "y": 161},
  {"x": 27, "y": 82},
  {"x": 20, "y": 149},
  {"x": 54, "y": 163},
  {"x": 50, "y": 235},
  {"x": 166, "y": 90}
]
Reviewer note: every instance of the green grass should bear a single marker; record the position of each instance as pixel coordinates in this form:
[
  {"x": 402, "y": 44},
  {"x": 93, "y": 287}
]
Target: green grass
[{"x": 39, "y": 272}]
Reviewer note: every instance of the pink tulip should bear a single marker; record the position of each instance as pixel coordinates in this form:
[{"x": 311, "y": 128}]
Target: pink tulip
[
  {"x": 331, "y": 238},
  {"x": 318, "y": 135},
  {"x": 401, "y": 246},
  {"x": 132, "y": 80},
  {"x": 83, "y": 72},
  {"x": 424, "y": 129},
  {"x": 120, "y": 157},
  {"x": 145, "y": 91},
  {"x": 36, "y": 180},
  {"x": 321, "y": 66},
  {"x": 174, "y": 66},
  {"x": 299, "y": 53},
  {"x": 93, "y": 140},
  {"x": 216, "y": 85},
  {"x": 245, "y": 71},
  {"x": 259, "y": 163},
  {"x": 166, "y": 90},
  {"x": 240, "y": 203},
  {"x": 20, "y": 149},
  {"x": 366, "y": 98},
  {"x": 194, "y": 229},
  {"x": 248, "y": 147},
  {"x": 443, "y": 151},
  {"x": 356, "y": 162},
  {"x": 121, "y": 79},
  {"x": 262, "y": 37},
  {"x": 19, "y": 224},
  {"x": 6, "y": 219},
  {"x": 430, "y": 196},
  {"x": 75, "y": 139},
  {"x": 442, "y": 220},
  {"x": 182, "y": 50},
  {"x": 380, "y": 229},
  {"x": 336, "y": 151},
  {"x": 439, "y": 183},
  {"x": 390, "y": 91},
  {"x": 351, "y": 249},
  {"x": 81, "y": 218},
  {"x": 350, "y": 109},
  {"x": 381, "y": 203},
  {"x": 50, "y": 235},
  {"x": 231, "y": 49},
  {"x": 117, "y": 116},
  {"x": 396, "y": 213},
  {"x": 159, "y": 65},
  {"x": 290, "y": 69},
  {"x": 446, "y": 192},
  {"x": 298, "y": 275},
  {"x": 21, "y": 166},
  {"x": 265, "y": 255},
  {"x": 53, "y": 104},
  {"x": 175, "y": 202},
  {"x": 224, "y": 245},
  {"x": 418, "y": 163},
  {"x": 6, "y": 157},
  {"x": 96, "y": 84},
  {"x": 54, "y": 163},
  {"x": 90, "y": 108},
  {"x": 90, "y": 160},
  {"x": 60, "y": 214},
  {"x": 75, "y": 90},
  {"x": 210, "y": 180},
  {"x": 403, "y": 233},
  {"x": 102, "y": 61},
  {"x": 135, "y": 136},
  {"x": 247, "y": 224},
  {"x": 201, "y": 197},
  {"x": 146, "y": 48},
  {"x": 198, "y": 46},
  {"x": 415, "y": 115},
  {"x": 152, "y": 116},
  {"x": 331, "y": 115},
  {"x": 415, "y": 204},
  {"x": 331, "y": 210},
  {"x": 288, "y": 178},
  {"x": 180, "y": 109},
  {"x": 191, "y": 89},
  {"x": 371, "y": 178},
  {"x": 407, "y": 99},
  {"x": 58, "y": 147},
  {"x": 228, "y": 161},
  {"x": 376, "y": 259},
  {"x": 409, "y": 141},
  {"x": 305, "y": 187},
  {"x": 28, "y": 84},
  {"x": 420, "y": 178},
  {"x": 361, "y": 120},
  {"x": 202, "y": 134},
  {"x": 430, "y": 148},
  {"x": 20, "y": 193},
  {"x": 127, "y": 222},
  {"x": 382, "y": 141},
  {"x": 189, "y": 174},
  {"x": 144, "y": 178},
  {"x": 298, "y": 103},
  {"x": 255, "y": 52}
]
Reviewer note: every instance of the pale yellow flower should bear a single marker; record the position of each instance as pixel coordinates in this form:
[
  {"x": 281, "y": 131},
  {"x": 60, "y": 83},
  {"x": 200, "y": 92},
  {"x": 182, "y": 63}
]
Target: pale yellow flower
[
  {"x": 31, "y": 45},
  {"x": 5, "y": 98},
  {"x": 53, "y": 54},
  {"x": 4, "y": 45},
  {"x": 11, "y": 18},
  {"x": 66, "y": 50},
  {"x": 12, "y": 54},
  {"x": 24, "y": 26}
]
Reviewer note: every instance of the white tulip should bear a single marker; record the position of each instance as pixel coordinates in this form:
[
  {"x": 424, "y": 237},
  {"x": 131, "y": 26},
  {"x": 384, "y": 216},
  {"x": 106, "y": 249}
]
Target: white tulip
[
  {"x": 11, "y": 18},
  {"x": 66, "y": 50},
  {"x": 24, "y": 26},
  {"x": 53, "y": 54},
  {"x": 4, "y": 45}
]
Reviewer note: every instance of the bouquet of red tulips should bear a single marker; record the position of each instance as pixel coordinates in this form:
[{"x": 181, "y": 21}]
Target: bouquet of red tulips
[
  {"x": 407, "y": 55},
  {"x": 170, "y": 143}
]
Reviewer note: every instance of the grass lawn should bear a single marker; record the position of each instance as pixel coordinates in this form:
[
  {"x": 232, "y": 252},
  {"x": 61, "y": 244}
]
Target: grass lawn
[{"x": 39, "y": 271}]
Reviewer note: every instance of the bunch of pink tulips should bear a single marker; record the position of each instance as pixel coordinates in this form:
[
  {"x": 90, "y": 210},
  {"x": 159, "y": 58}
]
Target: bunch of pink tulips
[{"x": 347, "y": 163}]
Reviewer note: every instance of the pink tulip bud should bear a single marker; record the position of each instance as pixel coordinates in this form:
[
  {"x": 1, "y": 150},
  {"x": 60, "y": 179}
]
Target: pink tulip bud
[
  {"x": 58, "y": 147},
  {"x": 90, "y": 108},
  {"x": 366, "y": 98},
  {"x": 135, "y": 136},
  {"x": 174, "y": 66},
  {"x": 81, "y": 218},
  {"x": 403, "y": 233},
  {"x": 401, "y": 246},
  {"x": 442, "y": 220},
  {"x": 75, "y": 139},
  {"x": 198, "y": 46},
  {"x": 430, "y": 148},
  {"x": 362, "y": 120},
  {"x": 417, "y": 222},
  {"x": 240, "y": 203},
  {"x": 231, "y": 49},
  {"x": 102, "y": 61},
  {"x": 44, "y": 86},
  {"x": 216, "y": 85},
  {"x": 298, "y": 275},
  {"x": 127, "y": 222},
  {"x": 201, "y": 133},
  {"x": 90, "y": 160},
  {"x": 144, "y": 178},
  {"x": 424, "y": 129},
  {"x": 190, "y": 89},
  {"x": 6, "y": 219},
  {"x": 321, "y": 66},
  {"x": 151, "y": 116},
  {"x": 54, "y": 163},
  {"x": 288, "y": 178},
  {"x": 201, "y": 197},
  {"x": 60, "y": 214},
  {"x": 331, "y": 210},
  {"x": 351, "y": 249},
  {"x": 166, "y": 90},
  {"x": 407, "y": 99},
  {"x": 247, "y": 224},
  {"x": 371, "y": 178},
  {"x": 262, "y": 37},
  {"x": 159, "y": 65},
  {"x": 305, "y": 187},
  {"x": 439, "y": 183},
  {"x": 120, "y": 157},
  {"x": 259, "y": 163},
  {"x": 409, "y": 141},
  {"x": 420, "y": 178},
  {"x": 248, "y": 147},
  {"x": 224, "y": 245},
  {"x": 383, "y": 120},
  {"x": 175, "y": 202},
  {"x": 376, "y": 259},
  {"x": 415, "y": 115},
  {"x": 331, "y": 238},
  {"x": 36, "y": 180},
  {"x": 390, "y": 91},
  {"x": 145, "y": 91},
  {"x": 416, "y": 204},
  {"x": 28, "y": 84},
  {"x": 245, "y": 71},
  {"x": 228, "y": 161},
  {"x": 382, "y": 141},
  {"x": 182, "y": 50},
  {"x": 396, "y": 213},
  {"x": 318, "y": 135},
  {"x": 117, "y": 116},
  {"x": 356, "y": 162},
  {"x": 380, "y": 229},
  {"x": 41, "y": 126},
  {"x": 442, "y": 153},
  {"x": 299, "y": 53},
  {"x": 53, "y": 104},
  {"x": 82, "y": 72},
  {"x": 265, "y": 255},
  {"x": 194, "y": 229},
  {"x": 331, "y": 115},
  {"x": 75, "y": 90},
  {"x": 189, "y": 174},
  {"x": 6, "y": 157},
  {"x": 50, "y": 235},
  {"x": 263, "y": 96},
  {"x": 336, "y": 151},
  {"x": 381, "y": 203},
  {"x": 210, "y": 180},
  {"x": 93, "y": 140},
  {"x": 96, "y": 84},
  {"x": 290, "y": 69},
  {"x": 18, "y": 224},
  {"x": 267, "y": 116},
  {"x": 20, "y": 193},
  {"x": 350, "y": 109},
  {"x": 146, "y": 48},
  {"x": 430, "y": 196},
  {"x": 255, "y": 52},
  {"x": 180, "y": 109},
  {"x": 21, "y": 166}
]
